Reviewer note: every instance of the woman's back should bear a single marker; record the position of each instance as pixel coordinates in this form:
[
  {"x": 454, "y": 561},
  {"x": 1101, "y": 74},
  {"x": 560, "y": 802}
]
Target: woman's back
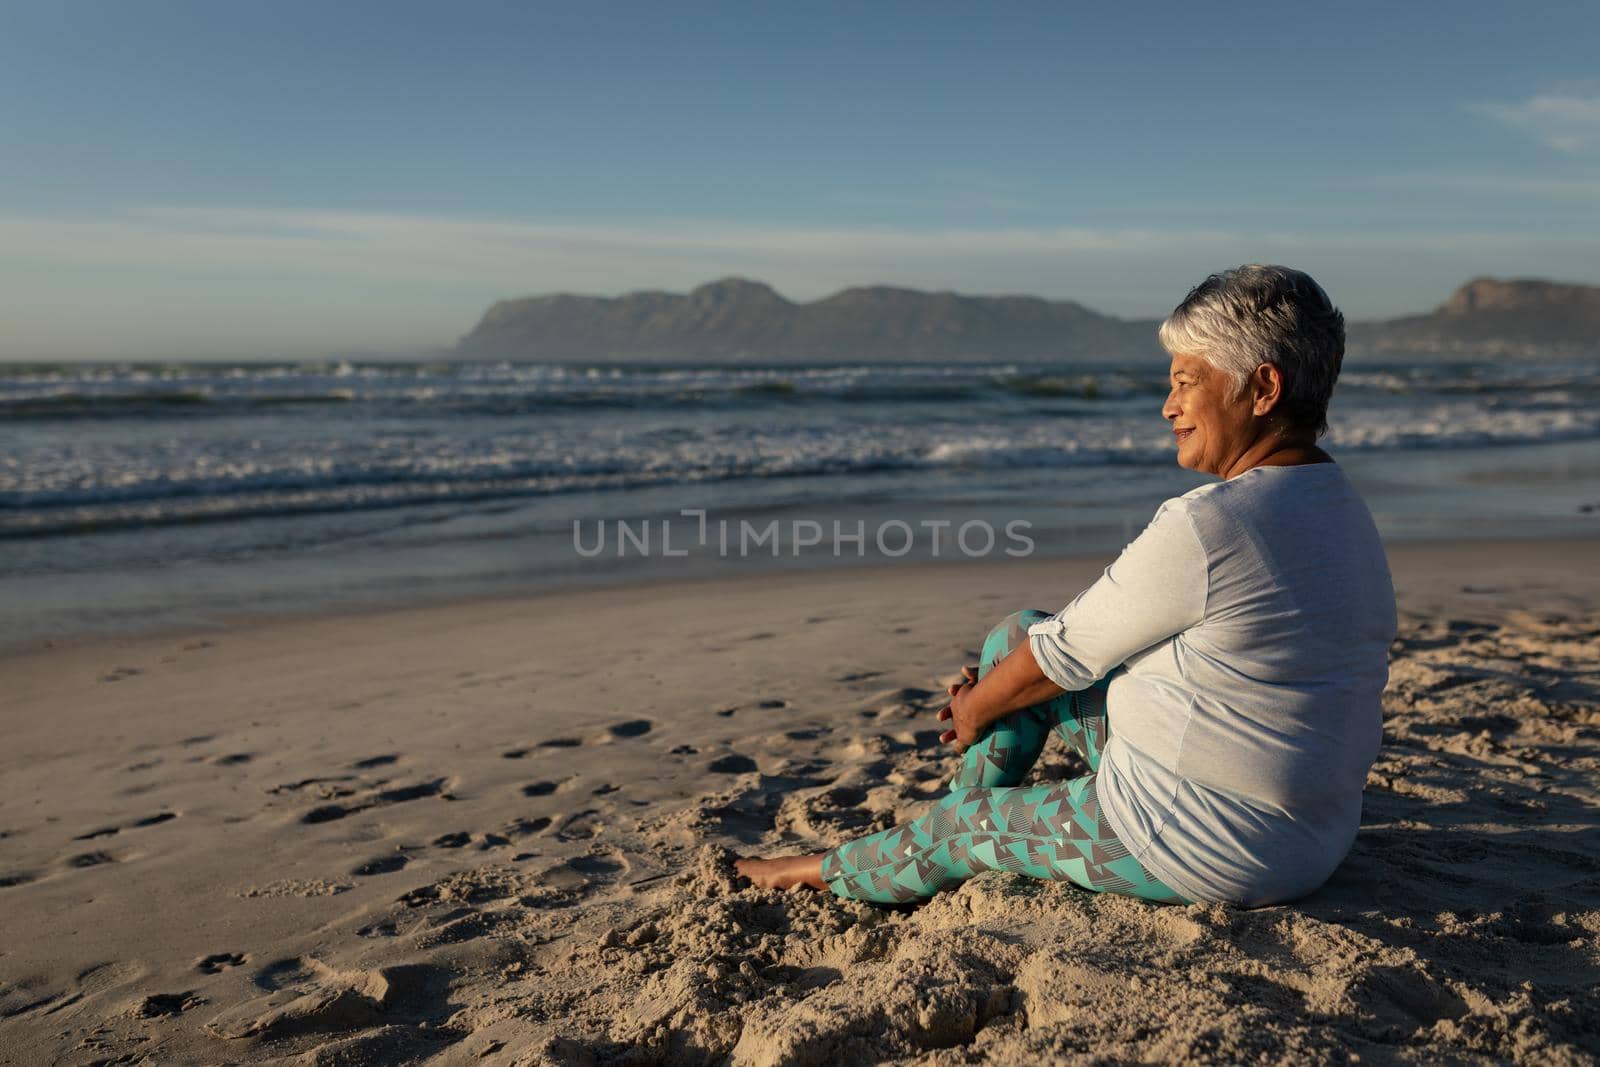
[{"x": 1240, "y": 744}]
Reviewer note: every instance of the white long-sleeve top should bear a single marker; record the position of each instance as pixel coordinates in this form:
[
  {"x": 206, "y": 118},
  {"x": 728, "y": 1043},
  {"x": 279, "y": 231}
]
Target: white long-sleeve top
[{"x": 1246, "y": 634}]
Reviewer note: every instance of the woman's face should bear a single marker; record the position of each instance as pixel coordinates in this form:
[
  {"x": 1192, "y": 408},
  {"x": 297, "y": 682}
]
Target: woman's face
[{"x": 1213, "y": 427}]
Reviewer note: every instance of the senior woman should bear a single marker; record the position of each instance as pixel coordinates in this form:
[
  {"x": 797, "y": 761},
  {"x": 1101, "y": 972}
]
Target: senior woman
[{"x": 1221, "y": 678}]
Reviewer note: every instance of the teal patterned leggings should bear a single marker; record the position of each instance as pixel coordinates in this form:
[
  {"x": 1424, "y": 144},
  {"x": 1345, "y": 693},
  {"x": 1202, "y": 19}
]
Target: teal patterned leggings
[{"x": 987, "y": 823}]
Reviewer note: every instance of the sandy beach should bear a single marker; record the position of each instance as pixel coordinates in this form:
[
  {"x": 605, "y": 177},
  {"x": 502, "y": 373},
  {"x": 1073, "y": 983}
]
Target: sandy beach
[{"x": 500, "y": 831}]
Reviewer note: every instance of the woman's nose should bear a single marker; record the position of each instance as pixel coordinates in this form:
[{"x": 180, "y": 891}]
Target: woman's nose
[{"x": 1169, "y": 409}]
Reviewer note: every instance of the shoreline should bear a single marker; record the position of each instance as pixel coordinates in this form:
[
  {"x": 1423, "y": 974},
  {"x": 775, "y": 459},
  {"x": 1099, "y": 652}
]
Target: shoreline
[
  {"x": 623, "y": 584},
  {"x": 172, "y": 579}
]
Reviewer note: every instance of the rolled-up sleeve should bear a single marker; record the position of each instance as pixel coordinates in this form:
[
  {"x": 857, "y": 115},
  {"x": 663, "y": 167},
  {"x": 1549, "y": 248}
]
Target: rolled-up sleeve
[{"x": 1156, "y": 588}]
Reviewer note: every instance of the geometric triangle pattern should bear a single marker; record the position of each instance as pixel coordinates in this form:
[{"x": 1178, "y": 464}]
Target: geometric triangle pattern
[
  {"x": 1008, "y": 749},
  {"x": 988, "y": 822},
  {"x": 1051, "y": 831}
]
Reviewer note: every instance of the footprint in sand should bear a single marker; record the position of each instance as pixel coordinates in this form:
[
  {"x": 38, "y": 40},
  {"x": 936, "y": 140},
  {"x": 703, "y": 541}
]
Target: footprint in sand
[
  {"x": 904, "y": 703},
  {"x": 732, "y": 764},
  {"x": 159, "y": 1005},
  {"x": 561, "y": 742},
  {"x": 119, "y": 673},
  {"x": 380, "y": 865},
  {"x": 382, "y": 798},
  {"x": 462, "y": 839},
  {"x": 579, "y": 826},
  {"x": 218, "y": 962},
  {"x": 396, "y": 1000},
  {"x": 111, "y": 831},
  {"x": 91, "y": 859},
  {"x": 7, "y": 881},
  {"x": 540, "y": 789},
  {"x": 233, "y": 759},
  {"x": 595, "y": 866},
  {"x": 773, "y": 703},
  {"x": 326, "y": 788},
  {"x": 631, "y": 728},
  {"x": 69, "y": 1002}
]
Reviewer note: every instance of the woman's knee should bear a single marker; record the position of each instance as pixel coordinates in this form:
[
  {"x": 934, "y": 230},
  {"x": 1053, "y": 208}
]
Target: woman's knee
[{"x": 1009, "y": 633}]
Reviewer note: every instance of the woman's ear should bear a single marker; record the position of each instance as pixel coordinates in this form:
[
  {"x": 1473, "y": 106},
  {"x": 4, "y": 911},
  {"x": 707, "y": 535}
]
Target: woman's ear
[{"x": 1267, "y": 384}]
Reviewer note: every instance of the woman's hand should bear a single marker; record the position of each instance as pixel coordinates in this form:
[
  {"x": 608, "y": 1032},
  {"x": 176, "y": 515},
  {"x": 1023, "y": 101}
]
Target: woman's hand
[{"x": 963, "y": 731}]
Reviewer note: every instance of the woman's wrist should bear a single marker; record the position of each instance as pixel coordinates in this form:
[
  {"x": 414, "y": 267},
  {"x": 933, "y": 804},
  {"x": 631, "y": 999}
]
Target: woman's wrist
[
  {"x": 1014, "y": 683},
  {"x": 982, "y": 707}
]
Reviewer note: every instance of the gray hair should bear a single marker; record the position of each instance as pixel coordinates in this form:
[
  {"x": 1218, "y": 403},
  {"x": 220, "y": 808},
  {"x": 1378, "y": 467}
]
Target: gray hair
[{"x": 1239, "y": 319}]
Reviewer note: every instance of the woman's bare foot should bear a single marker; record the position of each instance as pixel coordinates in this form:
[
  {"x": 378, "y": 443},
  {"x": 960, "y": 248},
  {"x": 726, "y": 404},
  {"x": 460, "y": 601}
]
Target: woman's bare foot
[{"x": 783, "y": 872}]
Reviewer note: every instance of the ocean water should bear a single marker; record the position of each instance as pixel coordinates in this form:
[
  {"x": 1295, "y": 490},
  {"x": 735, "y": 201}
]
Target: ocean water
[{"x": 152, "y": 495}]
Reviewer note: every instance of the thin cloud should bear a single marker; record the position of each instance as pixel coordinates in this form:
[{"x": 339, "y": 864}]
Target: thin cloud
[
  {"x": 513, "y": 253},
  {"x": 217, "y": 280},
  {"x": 499, "y": 252},
  {"x": 1526, "y": 187},
  {"x": 1567, "y": 123}
]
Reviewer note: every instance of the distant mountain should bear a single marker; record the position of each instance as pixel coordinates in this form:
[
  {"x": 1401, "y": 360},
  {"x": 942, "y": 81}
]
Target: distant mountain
[
  {"x": 735, "y": 318},
  {"x": 1522, "y": 318}
]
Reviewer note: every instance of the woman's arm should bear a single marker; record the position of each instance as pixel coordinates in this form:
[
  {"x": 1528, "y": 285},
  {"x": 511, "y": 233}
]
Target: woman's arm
[
  {"x": 1157, "y": 587},
  {"x": 1013, "y": 683}
]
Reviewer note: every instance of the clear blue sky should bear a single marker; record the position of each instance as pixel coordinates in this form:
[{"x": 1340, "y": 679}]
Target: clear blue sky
[{"x": 290, "y": 178}]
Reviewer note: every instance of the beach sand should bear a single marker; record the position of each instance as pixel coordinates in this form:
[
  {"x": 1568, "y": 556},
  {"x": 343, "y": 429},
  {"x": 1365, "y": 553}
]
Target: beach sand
[{"x": 501, "y": 832}]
